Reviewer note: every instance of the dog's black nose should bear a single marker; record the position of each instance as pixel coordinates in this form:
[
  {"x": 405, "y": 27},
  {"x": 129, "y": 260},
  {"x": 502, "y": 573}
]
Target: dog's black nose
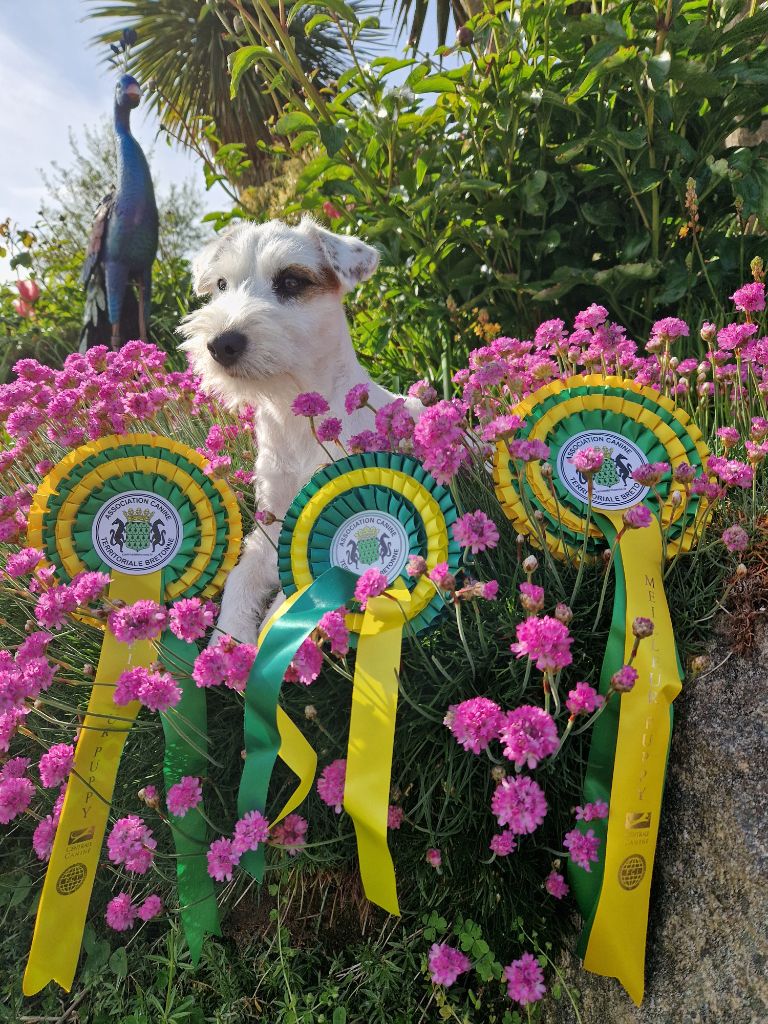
[{"x": 227, "y": 348}]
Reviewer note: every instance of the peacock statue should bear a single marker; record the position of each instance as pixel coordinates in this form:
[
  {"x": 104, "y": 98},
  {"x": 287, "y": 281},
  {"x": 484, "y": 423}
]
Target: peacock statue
[{"x": 123, "y": 242}]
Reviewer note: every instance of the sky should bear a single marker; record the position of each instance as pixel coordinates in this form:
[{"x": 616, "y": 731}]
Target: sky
[{"x": 51, "y": 80}]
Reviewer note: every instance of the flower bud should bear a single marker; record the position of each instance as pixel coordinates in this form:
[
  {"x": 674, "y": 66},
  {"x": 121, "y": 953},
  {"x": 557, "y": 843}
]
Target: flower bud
[
  {"x": 563, "y": 613},
  {"x": 699, "y": 664},
  {"x": 497, "y": 773},
  {"x": 741, "y": 570},
  {"x": 675, "y": 499},
  {"x": 624, "y": 680},
  {"x": 531, "y": 564},
  {"x": 310, "y": 712},
  {"x": 642, "y": 627},
  {"x": 464, "y": 36}
]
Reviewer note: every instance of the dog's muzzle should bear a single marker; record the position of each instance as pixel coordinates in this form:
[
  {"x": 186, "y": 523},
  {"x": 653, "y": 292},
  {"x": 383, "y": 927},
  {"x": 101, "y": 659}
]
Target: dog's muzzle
[{"x": 228, "y": 347}]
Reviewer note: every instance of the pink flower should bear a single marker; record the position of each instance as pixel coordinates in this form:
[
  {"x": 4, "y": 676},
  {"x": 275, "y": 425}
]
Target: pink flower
[
  {"x": 525, "y": 979},
  {"x": 333, "y": 627},
  {"x": 669, "y": 328},
  {"x": 225, "y": 662},
  {"x": 291, "y": 834},
  {"x": 529, "y": 451},
  {"x": 588, "y": 461},
  {"x": 424, "y": 391},
  {"x": 306, "y": 665},
  {"x": 476, "y": 532},
  {"x": 729, "y": 436},
  {"x": 442, "y": 578},
  {"x": 89, "y": 586},
  {"x": 56, "y": 764},
  {"x": 735, "y": 539},
  {"x": 131, "y": 843},
  {"x": 15, "y": 797},
  {"x": 531, "y": 597},
  {"x": 222, "y": 859},
  {"x": 651, "y": 473},
  {"x": 395, "y": 816},
  {"x": 637, "y": 517},
  {"x": 44, "y": 834},
  {"x": 416, "y": 566},
  {"x": 589, "y": 812},
  {"x": 250, "y": 831},
  {"x": 434, "y": 858},
  {"x": 529, "y": 734},
  {"x": 330, "y": 211},
  {"x": 355, "y": 398},
  {"x": 310, "y": 403},
  {"x": 21, "y": 308},
  {"x": 446, "y": 963},
  {"x": 190, "y": 618},
  {"x": 143, "y": 620},
  {"x": 750, "y": 298},
  {"x": 439, "y": 440},
  {"x": 520, "y": 803},
  {"x": 591, "y": 317},
  {"x": 15, "y": 768},
  {"x": 490, "y": 590},
  {"x": 504, "y": 843},
  {"x": 372, "y": 583},
  {"x": 394, "y": 424},
  {"x": 582, "y": 847},
  {"x": 28, "y": 290},
  {"x": 584, "y": 699},
  {"x": 184, "y": 795},
  {"x": 365, "y": 441},
  {"x": 121, "y": 913},
  {"x": 555, "y": 885},
  {"x": 623, "y": 680},
  {"x": 23, "y": 562},
  {"x": 9, "y": 722},
  {"x": 545, "y": 640},
  {"x": 329, "y": 429},
  {"x": 156, "y": 690},
  {"x": 475, "y": 723},
  {"x": 54, "y": 606},
  {"x": 330, "y": 785},
  {"x": 502, "y": 427},
  {"x": 151, "y": 907}
]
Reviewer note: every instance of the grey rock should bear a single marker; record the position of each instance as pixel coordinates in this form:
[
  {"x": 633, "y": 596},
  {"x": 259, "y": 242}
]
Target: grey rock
[{"x": 707, "y": 956}]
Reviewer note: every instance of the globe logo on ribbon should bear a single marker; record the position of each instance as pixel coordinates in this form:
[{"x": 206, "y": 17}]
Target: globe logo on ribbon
[
  {"x": 71, "y": 879},
  {"x": 612, "y": 486},
  {"x": 631, "y": 871},
  {"x": 137, "y": 532},
  {"x": 370, "y": 540}
]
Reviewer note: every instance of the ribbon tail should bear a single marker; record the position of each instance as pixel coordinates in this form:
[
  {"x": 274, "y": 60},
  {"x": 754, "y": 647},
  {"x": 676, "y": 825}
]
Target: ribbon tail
[
  {"x": 69, "y": 879},
  {"x": 186, "y": 742},
  {"x": 615, "y": 946},
  {"x": 284, "y": 634},
  {"x": 371, "y": 741},
  {"x": 300, "y": 756}
]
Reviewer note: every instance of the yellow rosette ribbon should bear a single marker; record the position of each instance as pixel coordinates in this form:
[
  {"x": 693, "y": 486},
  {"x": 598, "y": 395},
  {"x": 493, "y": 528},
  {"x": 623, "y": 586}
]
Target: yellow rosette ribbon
[
  {"x": 140, "y": 508},
  {"x": 362, "y": 512},
  {"x": 634, "y": 426}
]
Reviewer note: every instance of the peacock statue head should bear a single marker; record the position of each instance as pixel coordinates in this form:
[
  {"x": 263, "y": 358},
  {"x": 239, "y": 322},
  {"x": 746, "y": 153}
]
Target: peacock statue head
[{"x": 127, "y": 92}]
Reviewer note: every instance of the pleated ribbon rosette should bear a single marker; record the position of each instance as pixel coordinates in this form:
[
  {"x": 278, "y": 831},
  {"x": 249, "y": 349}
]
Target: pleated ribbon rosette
[
  {"x": 140, "y": 508},
  {"x": 362, "y": 512},
  {"x": 633, "y": 426}
]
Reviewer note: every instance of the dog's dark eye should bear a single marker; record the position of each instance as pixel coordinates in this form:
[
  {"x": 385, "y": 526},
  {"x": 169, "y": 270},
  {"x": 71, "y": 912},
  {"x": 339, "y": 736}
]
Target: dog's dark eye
[
  {"x": 221, "y": 284},
  {"x": 289, "y": 285}
]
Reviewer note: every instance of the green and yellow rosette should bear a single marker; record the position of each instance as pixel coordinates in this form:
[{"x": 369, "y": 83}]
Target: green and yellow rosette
[
  {"x": 634, "y": 426},
  {"x": 140, "y": 508},
  {"x": 362, "y": 512}
]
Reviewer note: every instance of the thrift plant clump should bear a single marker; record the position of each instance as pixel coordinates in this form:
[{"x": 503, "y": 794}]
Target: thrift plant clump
[{"x": 497, "y": 702}]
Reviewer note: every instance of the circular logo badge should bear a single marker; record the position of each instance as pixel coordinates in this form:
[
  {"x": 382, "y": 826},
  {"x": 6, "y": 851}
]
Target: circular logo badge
[
  {"x": 137, "y": 532},
  {"x": 71, "y": 879},
  {"x": 632, "y": 871},
  {"x": 612, "y": 486},
  {"x": 371, "y": 540}
]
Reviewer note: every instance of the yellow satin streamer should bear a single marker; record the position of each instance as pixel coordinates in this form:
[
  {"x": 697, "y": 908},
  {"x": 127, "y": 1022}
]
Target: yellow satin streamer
[
  {"x": 371, "y": 740},
  {"x": 616, "y": 946},
  {"x": 71, "y": 871}
]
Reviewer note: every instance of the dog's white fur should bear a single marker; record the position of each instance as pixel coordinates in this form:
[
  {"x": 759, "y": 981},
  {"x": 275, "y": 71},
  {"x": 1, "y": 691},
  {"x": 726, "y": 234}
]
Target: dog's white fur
[{"x": 294, "y": 344}]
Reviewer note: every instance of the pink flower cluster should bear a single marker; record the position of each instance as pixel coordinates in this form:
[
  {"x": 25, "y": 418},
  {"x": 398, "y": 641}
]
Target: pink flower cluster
[
  {"x": 24, "y": 676},
  {"x": 122, "y": 913},
  {"x": 546, "y": 641},
  {"x": 226, "y": 662},
  {"x": 131, "y": 844}
]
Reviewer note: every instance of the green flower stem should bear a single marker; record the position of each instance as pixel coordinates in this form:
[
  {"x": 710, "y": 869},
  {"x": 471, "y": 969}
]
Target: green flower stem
[
  {"x": 583, "y": 558},
  {"x": 606, "y": 578},
  {"x": 464, "y": 644}
]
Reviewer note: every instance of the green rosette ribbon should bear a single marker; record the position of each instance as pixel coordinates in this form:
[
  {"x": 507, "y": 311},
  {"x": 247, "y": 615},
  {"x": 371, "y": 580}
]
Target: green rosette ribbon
[
  {"x": 364, "y": 511},
  {"x": 140, "y": 508},
  {"x": 633, "y": 426}
]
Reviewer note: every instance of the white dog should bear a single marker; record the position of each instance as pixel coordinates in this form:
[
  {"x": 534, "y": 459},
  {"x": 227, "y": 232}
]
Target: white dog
[{"x": 275, "y": 327}]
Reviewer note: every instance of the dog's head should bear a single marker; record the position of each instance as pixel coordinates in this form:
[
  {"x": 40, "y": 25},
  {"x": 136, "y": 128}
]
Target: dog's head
[{"x": 276, "y": 304}]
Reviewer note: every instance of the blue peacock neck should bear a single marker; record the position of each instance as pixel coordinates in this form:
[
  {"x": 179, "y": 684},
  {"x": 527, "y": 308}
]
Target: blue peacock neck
[{"x": 132, "y": 164}]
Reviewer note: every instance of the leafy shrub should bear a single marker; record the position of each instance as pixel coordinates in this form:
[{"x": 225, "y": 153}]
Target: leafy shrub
[{"x": 570, "y": 157}]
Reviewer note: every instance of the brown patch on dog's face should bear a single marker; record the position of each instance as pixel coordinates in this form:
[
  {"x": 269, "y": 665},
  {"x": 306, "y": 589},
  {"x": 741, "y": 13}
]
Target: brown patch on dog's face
[{"x": 300, "y": 282}]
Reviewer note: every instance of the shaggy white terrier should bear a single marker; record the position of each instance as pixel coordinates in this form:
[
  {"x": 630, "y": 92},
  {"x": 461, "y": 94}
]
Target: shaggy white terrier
[{"x": 275, "y": 327}]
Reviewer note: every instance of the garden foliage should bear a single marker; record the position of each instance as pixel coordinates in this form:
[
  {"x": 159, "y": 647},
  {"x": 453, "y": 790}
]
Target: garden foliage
[{"x": 555, "y": 158}]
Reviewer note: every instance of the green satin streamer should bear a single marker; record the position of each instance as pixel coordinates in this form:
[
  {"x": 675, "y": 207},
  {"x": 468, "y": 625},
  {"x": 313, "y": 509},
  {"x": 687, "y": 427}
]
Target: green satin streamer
[
  {"x": 262, "y": 741},
  {"x": 186, "y": 743}
]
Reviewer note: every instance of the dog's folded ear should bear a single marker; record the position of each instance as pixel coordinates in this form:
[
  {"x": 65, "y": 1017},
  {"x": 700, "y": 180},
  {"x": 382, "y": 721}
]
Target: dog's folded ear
[
  {"x": 203, "y": 276},
  {"x": 351, "y": 260}
]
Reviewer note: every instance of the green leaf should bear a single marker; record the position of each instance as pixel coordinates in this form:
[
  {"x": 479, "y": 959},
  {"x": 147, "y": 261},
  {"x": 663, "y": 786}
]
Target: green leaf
[
  {"x": 421, "y": 170},
  {"x": 118, "y": 962},
  {"x": 337, "y": 6},
  {"x": 242, "y": 60},
  {"x": 293, "y": 122},
  {"x": 333, "y": 136},
  {"x": 434, "y": 83},
  {"x": 339, "y": 1015},
  {"x": 318, "y": 19},
  {"x": 21, "y": 259},
  {"x": 658, "y": 69}
]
